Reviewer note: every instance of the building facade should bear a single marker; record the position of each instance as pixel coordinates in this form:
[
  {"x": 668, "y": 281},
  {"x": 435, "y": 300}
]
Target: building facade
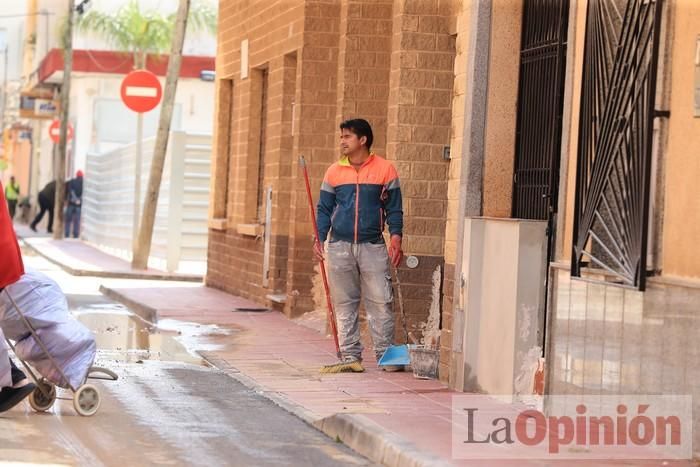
[
  {"x": 547, "y": 174},
  {"x": 12, "y": 133},
  {"x": 98, "y": 70},
  {"x": 287, "y": 74}
]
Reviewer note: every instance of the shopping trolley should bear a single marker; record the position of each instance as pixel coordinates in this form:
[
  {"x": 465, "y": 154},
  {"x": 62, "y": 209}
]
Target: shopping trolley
[{"x": 86, "y": 397}]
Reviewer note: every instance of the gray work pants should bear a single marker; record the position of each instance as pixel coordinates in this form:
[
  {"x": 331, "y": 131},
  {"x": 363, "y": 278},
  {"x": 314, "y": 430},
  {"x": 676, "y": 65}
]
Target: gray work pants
[{"x": 361, "y": 271}]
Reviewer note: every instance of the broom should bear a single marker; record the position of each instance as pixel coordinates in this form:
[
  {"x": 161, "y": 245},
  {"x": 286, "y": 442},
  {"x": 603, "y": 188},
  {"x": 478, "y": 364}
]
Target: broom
[
  {"x": 398, "y": 355},
  {"x": 341, "y": 367}
]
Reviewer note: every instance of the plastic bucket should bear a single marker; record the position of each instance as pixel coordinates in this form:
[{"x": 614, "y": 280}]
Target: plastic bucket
[{"x": 424, "y": 361}]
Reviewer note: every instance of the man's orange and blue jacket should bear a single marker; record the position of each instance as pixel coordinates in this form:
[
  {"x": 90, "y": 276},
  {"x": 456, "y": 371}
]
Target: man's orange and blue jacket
[{"x": 355, "y": 204}]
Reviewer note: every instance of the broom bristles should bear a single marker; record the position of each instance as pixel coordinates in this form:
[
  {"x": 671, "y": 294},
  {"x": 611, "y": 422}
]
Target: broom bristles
[{"x": 343, "y": 367}]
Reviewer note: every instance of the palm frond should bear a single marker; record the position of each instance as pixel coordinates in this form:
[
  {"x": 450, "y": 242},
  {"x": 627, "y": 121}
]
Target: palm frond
[
  {"x": 202, "y": 18},
  {"x": 134, "y": 30},
  {"x": 105, "y": 27}
]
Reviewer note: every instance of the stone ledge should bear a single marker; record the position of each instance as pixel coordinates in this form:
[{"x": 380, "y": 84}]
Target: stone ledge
[
  {"x": 250, "y": 230},
  {"x": 374, "y": 442},
  {"x": 141, "y": 310},
  {"x": 217, "y": 224},
  {"x": 276, "y": 298}
]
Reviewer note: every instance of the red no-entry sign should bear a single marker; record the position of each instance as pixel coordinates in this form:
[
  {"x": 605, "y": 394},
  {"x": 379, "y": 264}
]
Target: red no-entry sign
[
  {"x": 55, "y": 131},
  {"x": 141, "y": 91}
]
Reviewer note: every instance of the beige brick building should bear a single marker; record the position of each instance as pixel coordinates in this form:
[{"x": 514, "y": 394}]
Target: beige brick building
[
  {"x": 288, "y": 73},
  {"x": 487, "y": 110}
]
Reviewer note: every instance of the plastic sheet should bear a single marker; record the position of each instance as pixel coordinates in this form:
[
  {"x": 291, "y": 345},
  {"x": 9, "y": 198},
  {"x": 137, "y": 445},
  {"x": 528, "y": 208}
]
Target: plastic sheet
[
  {"x": 5, "y": 371},
  {"x": 43, "y": 304}
]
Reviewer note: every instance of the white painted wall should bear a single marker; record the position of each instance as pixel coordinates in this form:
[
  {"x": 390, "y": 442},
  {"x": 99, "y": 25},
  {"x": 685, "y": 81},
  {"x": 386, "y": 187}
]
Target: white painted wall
[
  {"x": 103, "y": 122},
  {"x": 95, "y": 104},
  {"x": 90, "y": 92},
  {"x": 11, "y": 35},
  {"x": 194, "y": 99},
  {"x": 47, "y": 27}
]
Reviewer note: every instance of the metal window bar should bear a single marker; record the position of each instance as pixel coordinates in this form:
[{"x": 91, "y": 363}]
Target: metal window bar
[
  {"x": 540, "y": 106},
  {"x": 611, "y": 209}
]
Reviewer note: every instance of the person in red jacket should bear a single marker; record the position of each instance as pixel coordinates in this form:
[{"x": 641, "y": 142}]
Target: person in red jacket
[{"x": 11, "y": 269}]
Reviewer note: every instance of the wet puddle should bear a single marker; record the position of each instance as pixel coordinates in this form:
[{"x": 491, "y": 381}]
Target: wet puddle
[{"x": 124, "y": 337}]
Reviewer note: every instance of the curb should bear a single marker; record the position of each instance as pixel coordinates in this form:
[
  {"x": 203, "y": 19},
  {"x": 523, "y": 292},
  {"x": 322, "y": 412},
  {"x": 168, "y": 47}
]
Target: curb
[
  {"x": 146, "y": 312},
  {"x": 112, "y": 274},
  {"x": 358, "y": 432},
  {"x": 151, "y": 314},
  {"x": 375, "y": 443}
]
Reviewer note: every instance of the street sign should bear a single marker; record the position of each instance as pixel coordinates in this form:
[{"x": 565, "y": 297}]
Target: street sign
[
  {"x": 55, "y": 131},
  {"x": 37, "y": 105},
  {"x": 141, "y": 91}
]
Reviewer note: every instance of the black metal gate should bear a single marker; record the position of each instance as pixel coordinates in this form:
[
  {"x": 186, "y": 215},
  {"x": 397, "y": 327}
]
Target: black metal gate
[
  {"x": 540, "y": 103},
  {"x": 615, "y": 138}
]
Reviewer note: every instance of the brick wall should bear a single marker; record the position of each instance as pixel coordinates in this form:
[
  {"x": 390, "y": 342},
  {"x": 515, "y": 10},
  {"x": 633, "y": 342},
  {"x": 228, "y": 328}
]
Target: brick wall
[
  {"x": 315, "y": 137},
  {"x": 274, "y": 30},
  {"x": 363, "y": 65},
  {"x": 419, "y": 127},
  {"x": 279, "y": 164},
  {"x": 390, "y": 61}
]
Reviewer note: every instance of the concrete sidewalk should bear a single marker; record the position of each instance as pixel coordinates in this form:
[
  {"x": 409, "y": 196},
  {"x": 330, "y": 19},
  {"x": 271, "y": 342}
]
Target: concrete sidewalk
[
  {"x": 391, "y": 418},
  {"x": 81, "y": 259}
]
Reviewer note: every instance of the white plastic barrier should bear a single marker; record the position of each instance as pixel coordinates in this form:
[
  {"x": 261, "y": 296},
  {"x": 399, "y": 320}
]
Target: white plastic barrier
[{"x": 180, "y": 232}]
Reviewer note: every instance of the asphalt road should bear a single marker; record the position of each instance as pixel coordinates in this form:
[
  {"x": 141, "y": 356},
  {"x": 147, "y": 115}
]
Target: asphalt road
[{"x": 167, "y": 408}]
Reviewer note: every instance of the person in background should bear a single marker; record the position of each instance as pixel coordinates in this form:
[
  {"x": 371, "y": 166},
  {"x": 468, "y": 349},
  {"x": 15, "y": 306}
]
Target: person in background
[
  {"x": 12, "y": 196},
  {"x": 24, "y": 206},
  {"x": 74, "y": 201},
  {"x": 46, "y": 199}
]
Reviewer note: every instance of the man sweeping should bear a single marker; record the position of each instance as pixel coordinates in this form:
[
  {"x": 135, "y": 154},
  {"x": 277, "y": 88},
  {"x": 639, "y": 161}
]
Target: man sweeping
[{"x": 359, "y": 194}]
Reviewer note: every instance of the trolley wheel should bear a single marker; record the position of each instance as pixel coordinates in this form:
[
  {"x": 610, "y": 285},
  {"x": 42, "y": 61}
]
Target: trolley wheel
[
  {"x": 42, "y": 402},
  {"x": 86, "y": 400}
]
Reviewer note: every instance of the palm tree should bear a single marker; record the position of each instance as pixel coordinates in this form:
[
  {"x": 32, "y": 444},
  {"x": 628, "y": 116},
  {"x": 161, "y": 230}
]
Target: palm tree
[{"x": 140, "y": 32}]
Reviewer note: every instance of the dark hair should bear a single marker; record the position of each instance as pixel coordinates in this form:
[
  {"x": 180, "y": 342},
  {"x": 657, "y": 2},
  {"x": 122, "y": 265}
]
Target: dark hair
[{"x": 360, "y": 127}]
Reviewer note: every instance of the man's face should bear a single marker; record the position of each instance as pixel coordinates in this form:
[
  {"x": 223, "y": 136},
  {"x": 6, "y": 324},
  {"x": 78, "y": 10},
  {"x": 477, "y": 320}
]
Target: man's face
[{"x": 349, "y": 142}]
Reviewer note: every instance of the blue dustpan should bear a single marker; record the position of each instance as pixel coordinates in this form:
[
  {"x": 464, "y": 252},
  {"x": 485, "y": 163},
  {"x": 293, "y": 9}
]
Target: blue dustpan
[{"x": 395, "y": 355}]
